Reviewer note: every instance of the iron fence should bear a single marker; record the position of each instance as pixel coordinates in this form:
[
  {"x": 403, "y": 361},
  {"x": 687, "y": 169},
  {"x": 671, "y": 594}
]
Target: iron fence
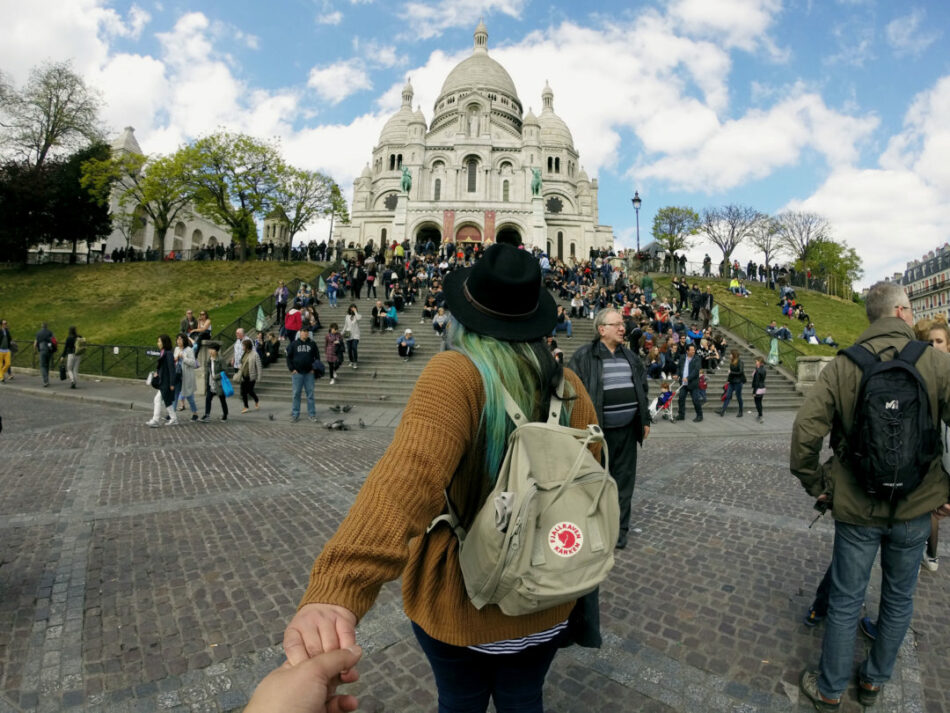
[{"x": 758, "y": 338}]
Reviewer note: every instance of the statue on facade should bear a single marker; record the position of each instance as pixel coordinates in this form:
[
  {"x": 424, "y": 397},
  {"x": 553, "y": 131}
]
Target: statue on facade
[
  {"x": 406, "y": 179},
  {"x": 536, "y": 181}
]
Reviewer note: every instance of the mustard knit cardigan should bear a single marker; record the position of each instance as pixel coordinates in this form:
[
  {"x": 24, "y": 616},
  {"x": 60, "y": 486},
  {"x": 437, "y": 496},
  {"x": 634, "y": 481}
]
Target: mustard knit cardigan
[{"x": 383, "y": 536}]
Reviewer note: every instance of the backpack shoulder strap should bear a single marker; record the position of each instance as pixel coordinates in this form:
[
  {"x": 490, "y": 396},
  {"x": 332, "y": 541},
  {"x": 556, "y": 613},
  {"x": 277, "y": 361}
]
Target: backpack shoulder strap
[
  {"x": 913, "y": 350},
  {"x": 860, "y": 356}
]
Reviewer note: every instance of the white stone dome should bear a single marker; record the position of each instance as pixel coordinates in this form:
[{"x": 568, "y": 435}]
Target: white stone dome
[
  {"x": 396, "y": 129},
  {"x": 479, "y": 72},
  {"x": 554, "y": 131}
]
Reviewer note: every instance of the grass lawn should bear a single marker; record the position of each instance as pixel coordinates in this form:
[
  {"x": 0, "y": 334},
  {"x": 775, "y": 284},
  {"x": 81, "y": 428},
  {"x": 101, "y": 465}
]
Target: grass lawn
[
  {"x": 842, "y": 319},
  {"x": 132, "y": 303}
]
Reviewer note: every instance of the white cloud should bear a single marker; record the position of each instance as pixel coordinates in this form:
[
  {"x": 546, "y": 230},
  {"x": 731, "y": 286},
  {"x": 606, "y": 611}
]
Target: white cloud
[
  {"x": 337, "y": 81},
  {"x": 906, "y": 36},
  {"x": 855, "y": 42},
  {"x": 430, "y": 19},
  {"x": 743, "y": 24},
  {"x": 330, "y": 18},
  {"x": 378, "y": 54}
]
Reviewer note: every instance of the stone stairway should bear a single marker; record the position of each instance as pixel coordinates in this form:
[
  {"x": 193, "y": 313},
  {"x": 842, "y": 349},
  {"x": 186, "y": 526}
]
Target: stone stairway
[{"x": 383, "y": 377}]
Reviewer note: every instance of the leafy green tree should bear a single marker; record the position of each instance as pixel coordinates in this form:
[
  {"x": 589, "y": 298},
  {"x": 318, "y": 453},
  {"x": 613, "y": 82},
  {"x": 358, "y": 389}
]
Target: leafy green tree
[
  {"x": 233, "y": 178},
  {"x": 54, "y": 110},
  {"x": 673, "y": 226},
  {"x": 729, "y": 226},
  {"x": 25, "y": 216},
  {"x": 78, "y": 215},
  {"x": 836, "y": 265},
  {"x": 155, "y": 187}
]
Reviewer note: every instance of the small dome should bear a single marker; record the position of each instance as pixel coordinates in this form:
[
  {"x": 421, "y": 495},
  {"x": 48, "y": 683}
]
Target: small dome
[
  {"x": 397, "y": 128},
  {"x": 125, "y": 142},
  {"x": 418, "y": 117},
  {"x": 530, "y": 119},
  {"x": 367, "y": 172},
  {"x": 554, "y": 131},
  {"x": 582, "y": 177}
]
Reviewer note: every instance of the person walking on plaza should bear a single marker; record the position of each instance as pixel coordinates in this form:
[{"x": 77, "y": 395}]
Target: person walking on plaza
[
  {"x": 864, "y": 523},
  {"x": 351, "y": 334},
  {"x": 186, "y": 364},
  {"x": 6, "y": 351},
  {"x": 500, "y": 313},
  {"x": 758, "y": 386},
  {"x": 249, "y": 371},
  {"x": 333, "y": 351},
  {"x": 45, "y": 345},
  {"x": 688, "y": 375},
  {"x": 163, "y": 380},
  {"x": 72, "y": 350},
  {"x": 214, "y": 367},
  {"x": 237, "y": 352},
  {"x": 300, "y": 357},
  {"x": 939, "y": 337},
  {"x": 734, "y": 383},
  {"x": 616, "y": 381}
]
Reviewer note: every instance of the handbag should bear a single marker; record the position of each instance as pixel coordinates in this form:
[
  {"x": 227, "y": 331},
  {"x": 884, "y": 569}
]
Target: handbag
[
  {"x": 760, "y": 391},
  {"x": 226, "y": 387},
  {"x": 62, "y": 370},
  {"x": 153, "y": 380},
  {"x": 347, "y": 334}
]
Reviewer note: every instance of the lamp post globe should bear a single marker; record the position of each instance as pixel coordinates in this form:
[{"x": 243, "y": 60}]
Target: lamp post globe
[{"x": 636, "y": 206}]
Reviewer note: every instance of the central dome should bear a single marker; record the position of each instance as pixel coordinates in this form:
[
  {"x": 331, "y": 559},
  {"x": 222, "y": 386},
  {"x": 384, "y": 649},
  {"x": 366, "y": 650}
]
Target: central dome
[{"x": 479, "y": 71}]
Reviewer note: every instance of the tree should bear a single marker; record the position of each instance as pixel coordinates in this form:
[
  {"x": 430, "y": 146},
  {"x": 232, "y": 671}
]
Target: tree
[
  {"x": 766, "y": 236},
  {"x": 54, "y": 110},
  {"x": 25, "y": 216},
  {"x": 233, "y": 178},
  {"x": 304, "y": 195},
  {"x": 800, "y": 231},
  {"x": 673, "y": 226},
  {"x": 729, "y": 226},
  {"x": 837, "y": 265},
  {"x": 154, "y": 187},
  {"x": 78, "y": 214}
]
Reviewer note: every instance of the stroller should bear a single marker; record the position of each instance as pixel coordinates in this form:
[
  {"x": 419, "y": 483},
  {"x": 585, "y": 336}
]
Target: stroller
[{"x": 662, "y": 407}]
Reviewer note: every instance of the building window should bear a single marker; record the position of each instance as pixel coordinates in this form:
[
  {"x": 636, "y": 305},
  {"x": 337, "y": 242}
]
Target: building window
[
  {"x": 550, "y": 165},
  {"x": 437, "y": 194},
  {"x": 557, "y": 165},
  {"x": 560, "y": 245},
  {"x": 573, "y": 254},
  {"x": 504, "y": 191},
  {"x": 398, "y": 161},
  {"x": 472, "y": 168},
  {"x": 392, "y": 162},
  {"x": 382, "y": 237}
]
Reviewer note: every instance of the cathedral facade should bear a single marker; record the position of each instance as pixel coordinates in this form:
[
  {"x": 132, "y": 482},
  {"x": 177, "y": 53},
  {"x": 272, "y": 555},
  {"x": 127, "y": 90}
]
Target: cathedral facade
[{"x": 483, "y": 170}]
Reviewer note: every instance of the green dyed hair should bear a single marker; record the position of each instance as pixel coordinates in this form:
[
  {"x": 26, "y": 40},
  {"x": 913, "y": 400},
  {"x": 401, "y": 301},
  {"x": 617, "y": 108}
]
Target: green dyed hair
[{"x": 527, "y": 370}]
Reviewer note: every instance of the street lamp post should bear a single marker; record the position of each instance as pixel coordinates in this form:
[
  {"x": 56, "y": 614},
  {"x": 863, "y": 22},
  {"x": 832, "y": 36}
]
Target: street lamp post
[{"x": 636, "y": 206}]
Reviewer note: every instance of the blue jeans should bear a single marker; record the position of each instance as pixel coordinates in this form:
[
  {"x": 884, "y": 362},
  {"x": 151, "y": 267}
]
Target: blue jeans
[
  {"x": 468, "y": 679},
  {"x": 856, "y": 546},
  {"x": 305, "y": 382},
  {"x": 331, "y": 295},
  {"x": 563, "y": 327},
  {"x": 733, "y": 389}
]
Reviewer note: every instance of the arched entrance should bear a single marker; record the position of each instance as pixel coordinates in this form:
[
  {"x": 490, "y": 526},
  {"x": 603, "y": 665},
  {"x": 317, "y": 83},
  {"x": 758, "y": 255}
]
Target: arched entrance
[
  {"x": 509, "y": 234},
  {"x": 426, "y": 233},
  {"x": 468, "y": 234}
]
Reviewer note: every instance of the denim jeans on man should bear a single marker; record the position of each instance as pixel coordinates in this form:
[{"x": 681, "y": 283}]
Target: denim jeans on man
[
  {"x": 467, "y": 679},
  {"x": 305, "y": 382},
  {"x": 855, "y": 549}
]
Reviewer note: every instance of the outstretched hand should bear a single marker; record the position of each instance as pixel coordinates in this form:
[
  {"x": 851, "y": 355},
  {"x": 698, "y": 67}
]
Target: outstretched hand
[
  {"x": 310, "y": 686},
  {"x": 317, "y": 628}
]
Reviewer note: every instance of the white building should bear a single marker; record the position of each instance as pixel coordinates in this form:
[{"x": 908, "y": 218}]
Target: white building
[
  {"x": 191, "y": 231},
  {"x": 472, "y": 170},
  {"x": 926, "y": 283}
]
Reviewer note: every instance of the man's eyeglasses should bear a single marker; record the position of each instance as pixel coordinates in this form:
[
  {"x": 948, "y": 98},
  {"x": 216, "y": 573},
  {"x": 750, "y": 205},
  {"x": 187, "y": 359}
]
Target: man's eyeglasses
[{"x": 612, "y": 324}]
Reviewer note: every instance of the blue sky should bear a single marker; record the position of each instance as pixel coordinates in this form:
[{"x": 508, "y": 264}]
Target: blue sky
[{"x": 835, "y": 106}]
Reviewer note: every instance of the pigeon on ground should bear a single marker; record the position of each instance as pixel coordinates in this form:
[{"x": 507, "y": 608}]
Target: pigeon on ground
[
  {"x": 336, "y": 407},
  {"x": 384, "y": 397},
  {"x": 347, "y": 408},
  {"x": 334, "y": 425},
  {"x": 362, "y": 425},
  {"x": 270, "y": 416}
]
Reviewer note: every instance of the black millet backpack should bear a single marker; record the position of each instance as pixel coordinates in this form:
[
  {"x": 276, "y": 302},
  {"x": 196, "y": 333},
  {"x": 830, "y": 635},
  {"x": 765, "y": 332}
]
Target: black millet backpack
[{"x": 894, "y": 439}]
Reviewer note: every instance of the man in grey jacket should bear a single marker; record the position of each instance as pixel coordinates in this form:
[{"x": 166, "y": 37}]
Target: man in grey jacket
[
  {"x": 617, "y": 383},
  {"x": 864, "y": 524}
]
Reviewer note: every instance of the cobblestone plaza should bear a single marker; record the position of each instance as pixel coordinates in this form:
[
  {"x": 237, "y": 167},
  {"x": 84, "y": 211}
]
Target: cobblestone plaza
[{"x": 155, "y": 569}]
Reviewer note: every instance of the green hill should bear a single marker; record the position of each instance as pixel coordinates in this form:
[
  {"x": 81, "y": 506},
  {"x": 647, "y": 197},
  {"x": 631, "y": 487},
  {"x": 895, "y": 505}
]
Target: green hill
[
  {"x": 132, "y": 303},
  {"x": 842, "y": 319}
]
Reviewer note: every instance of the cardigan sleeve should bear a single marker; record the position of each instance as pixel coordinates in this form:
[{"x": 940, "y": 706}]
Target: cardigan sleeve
[{"x": 404, "y": 490}]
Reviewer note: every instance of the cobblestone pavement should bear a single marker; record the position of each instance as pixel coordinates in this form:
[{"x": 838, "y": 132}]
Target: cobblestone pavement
[{"x": 154, "y": 569}]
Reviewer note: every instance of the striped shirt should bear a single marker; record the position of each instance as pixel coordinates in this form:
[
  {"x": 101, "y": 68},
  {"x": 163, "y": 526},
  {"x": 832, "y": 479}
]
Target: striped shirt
[
  {"x": 620, "y": 396},
  {"x": 511, "y": 646}
]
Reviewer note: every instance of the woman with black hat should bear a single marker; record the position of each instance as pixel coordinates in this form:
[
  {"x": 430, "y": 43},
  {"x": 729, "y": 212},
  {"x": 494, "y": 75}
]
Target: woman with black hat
[{"x": 500, "y": 316}]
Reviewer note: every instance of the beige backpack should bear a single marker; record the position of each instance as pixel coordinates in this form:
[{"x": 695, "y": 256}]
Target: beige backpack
[{"x": 546, "y": 532}]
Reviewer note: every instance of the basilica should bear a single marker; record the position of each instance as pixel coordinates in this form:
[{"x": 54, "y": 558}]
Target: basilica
[{"x": 482, "y": 170}]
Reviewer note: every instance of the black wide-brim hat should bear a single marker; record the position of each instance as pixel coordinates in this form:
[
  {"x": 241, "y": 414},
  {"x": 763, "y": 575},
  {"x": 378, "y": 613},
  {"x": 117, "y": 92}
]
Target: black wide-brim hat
[{"x": 502, "y": 296}]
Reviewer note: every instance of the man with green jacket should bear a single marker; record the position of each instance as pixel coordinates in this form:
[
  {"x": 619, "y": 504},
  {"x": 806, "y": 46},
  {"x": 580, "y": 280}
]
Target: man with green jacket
[{"x": 864, "y": 524}]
